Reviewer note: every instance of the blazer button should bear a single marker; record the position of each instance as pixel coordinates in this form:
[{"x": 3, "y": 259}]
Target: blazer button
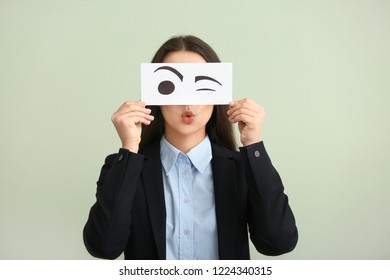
[{"x": 256, "y": 154}]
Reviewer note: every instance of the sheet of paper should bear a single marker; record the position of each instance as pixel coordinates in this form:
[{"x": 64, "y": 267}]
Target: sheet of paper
[{"x": 186, "y": 83}]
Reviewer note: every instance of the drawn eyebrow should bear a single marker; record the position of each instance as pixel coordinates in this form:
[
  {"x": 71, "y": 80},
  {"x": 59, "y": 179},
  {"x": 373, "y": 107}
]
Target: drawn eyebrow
[
  {"x": 198, "y": 78},
  {"x": 170, "y": 69}
]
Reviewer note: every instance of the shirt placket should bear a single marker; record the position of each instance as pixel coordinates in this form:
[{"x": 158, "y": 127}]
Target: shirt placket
[{"x": 186, "y": 208}]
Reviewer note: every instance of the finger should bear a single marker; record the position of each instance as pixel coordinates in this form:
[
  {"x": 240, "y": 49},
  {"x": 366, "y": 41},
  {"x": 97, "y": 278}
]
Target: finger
[
  {"x": 131, "y": 111},
  {"x": 243, "y": 118},
  {"x": 133, "y": 120},
  {"x": 131, "y": 116},
  {"x": 232, "y": 103},
  {"x": 141, "y": 120},
  {"x": 135, "y": 107},
  {"x": 132, "y": 106},
  {"x": 248, "y": 110},
  {"x": 246, "y": 103},
  {"x": 241, "y": 114},
  {"x": 245, "y": 100},
  {"x": 138, "y": 114},
  {"x": 243, "y": 110},
  {"x": 251, "y": 110}
]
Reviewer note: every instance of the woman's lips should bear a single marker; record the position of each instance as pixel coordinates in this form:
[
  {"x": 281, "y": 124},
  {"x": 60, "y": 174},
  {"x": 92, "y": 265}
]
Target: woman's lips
[{"x": 188, "y": 117}]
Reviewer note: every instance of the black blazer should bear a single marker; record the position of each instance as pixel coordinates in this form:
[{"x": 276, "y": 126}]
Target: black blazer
[{"x": 129, "y": 213}]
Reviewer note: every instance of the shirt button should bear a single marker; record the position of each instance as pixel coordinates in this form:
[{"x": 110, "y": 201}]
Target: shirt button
[
  {"x": 187, "y": 232},
  {"x": 120, "y": 157},
  {"x": 185, "y": 172},
  {"x": 256, "y": 154},
  {"x": 186, "y": 200}
]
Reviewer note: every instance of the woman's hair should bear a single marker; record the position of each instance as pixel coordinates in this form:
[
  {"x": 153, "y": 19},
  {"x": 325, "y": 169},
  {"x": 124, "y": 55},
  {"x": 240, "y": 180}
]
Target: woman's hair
[{"x": 219, "y": 128}]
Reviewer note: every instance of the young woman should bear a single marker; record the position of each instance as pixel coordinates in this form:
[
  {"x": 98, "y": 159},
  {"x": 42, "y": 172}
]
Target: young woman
[{"x": 179, "y": 189}]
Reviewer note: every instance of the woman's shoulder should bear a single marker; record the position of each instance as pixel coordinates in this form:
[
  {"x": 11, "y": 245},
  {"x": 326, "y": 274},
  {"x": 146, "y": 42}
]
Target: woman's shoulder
[{"x": 221, "y": 151}]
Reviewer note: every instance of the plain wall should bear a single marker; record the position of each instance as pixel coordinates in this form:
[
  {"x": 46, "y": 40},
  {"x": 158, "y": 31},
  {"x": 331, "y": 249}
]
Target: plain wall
[{"x": 321, "y": 69}]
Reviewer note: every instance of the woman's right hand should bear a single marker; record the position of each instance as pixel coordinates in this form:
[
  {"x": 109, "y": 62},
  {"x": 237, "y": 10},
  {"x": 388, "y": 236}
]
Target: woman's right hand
[{"x": 128, "y": 120}]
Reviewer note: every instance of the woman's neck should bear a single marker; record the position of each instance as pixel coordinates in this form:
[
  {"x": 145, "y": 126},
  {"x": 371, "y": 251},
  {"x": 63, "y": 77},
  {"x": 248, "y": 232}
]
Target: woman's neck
[{"x": 184, "y": 143}]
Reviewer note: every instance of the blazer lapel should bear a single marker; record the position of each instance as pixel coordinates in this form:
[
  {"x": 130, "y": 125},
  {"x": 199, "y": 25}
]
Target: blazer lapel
[
  {"x": 154, "y": 191},
  {"x": 225, "y": 189}
]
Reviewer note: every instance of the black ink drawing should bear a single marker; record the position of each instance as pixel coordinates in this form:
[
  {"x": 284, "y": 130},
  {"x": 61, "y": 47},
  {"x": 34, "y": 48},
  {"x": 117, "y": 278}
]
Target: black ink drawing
[{"x": 167, "y": 87}]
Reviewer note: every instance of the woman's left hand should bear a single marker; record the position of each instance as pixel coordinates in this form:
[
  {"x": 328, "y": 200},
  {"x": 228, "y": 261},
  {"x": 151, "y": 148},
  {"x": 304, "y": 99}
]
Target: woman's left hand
[{"x": 249, "y": 115}]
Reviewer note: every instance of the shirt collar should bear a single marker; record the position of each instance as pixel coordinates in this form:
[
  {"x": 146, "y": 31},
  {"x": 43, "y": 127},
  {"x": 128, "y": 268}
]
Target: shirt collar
[
  {"x": 200, "y": 155},
  {"x": 168, "y": 154}
]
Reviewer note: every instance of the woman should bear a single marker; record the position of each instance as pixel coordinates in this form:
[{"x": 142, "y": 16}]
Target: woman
[{"x": 179, "y": 189}]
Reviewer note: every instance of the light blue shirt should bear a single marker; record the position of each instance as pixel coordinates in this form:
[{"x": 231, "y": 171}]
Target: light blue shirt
[{"x": 191, "y": 227}]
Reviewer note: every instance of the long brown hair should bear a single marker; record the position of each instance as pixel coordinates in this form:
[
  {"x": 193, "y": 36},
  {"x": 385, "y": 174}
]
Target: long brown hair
[{"x": 218, "y": 128}]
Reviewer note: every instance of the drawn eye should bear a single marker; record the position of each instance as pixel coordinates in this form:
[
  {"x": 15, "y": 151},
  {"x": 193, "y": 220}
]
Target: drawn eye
[
  {"x": 166, "y": 87},
  {"x": 205, "y": 89},
  {"x": 200, "y": 78}
]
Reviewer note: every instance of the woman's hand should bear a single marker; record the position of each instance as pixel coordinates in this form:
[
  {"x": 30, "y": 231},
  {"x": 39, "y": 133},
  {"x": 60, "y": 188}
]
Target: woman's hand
[
  {"x": 249, "y": 115},
  {"x": 128, "y": 120}
]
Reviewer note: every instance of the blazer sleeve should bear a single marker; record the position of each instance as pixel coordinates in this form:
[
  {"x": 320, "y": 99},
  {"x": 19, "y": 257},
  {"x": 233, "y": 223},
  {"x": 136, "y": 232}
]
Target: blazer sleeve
[
  {"x": 107, "y": 230},
  {"x": 271, "y": 222}
]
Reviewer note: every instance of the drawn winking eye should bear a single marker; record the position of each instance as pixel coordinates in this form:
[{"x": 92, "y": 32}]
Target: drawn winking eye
[{"x": 200, "y": 78}]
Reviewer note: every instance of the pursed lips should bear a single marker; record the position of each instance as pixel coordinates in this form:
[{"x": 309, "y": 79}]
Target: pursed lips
[{"x": 188, "y": 116}]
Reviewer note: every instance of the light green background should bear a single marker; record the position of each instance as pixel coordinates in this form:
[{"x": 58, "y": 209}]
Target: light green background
[{"x": 321, "y": 69}]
